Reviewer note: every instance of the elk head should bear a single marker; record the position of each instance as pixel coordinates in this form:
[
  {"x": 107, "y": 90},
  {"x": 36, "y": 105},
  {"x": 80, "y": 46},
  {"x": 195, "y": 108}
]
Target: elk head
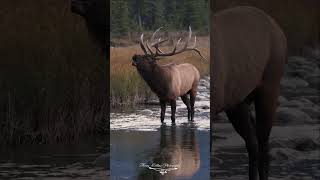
[{"x": 150, "y": 57}]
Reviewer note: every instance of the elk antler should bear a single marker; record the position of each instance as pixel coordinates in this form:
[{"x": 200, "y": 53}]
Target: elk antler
[
  {"x": 141, "y": 44},
  {"x": 174, "y": 51}
]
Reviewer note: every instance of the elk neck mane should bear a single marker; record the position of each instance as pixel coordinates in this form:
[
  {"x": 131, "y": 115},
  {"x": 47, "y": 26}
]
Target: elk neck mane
[{"x": 156, "y": 76}]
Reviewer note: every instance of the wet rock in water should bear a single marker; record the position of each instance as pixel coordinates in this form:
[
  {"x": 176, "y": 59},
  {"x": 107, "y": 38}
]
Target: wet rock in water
[
  {"x": 201, "y": 97},
  {"x": 313, "y": 112},
  {"x": 299, "y": 92},
  {"x": 102, "y": 160},
  {"x": 222, "y": 117},
  {"x": 280, "y": 154},
  {"x": 154, "y": 102},
  {"x": 293, "y": 115},
  {"x": 314, "y": 80},
  {"x": 312, "y": 52},
  {"x": 293, "y": 83},
  {"x": 306, "y": 144},
  {"x": 304, "y": 105},
  {"x": 300, "y": 67},
  {"x": 313, "y": 98},
  {"x": 298, "y": 102},
  {"x": 204, "y": 114},
  {"x": 205, "y": 83},
  {"x": 308, "y": 92},
  {"x": 291, "y": 177},
  {"x": 292, "y": 104},
  {"x": 295, "y": 139},
  {"x": 205, "y": 107},
  {"x": 146, "y": 112},
  {"x": 305, "y": 101},
  {"x": 282, "y": 100}
]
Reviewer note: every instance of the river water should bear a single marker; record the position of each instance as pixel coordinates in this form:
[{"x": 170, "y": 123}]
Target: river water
[
  {"x": 143, "y": 148},
  {"x": 85, "y": 160}
]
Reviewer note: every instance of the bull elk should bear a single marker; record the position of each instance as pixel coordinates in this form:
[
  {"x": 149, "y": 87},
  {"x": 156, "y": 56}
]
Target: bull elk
[
  {"x": 168, "y": 81},
  {"x": 249, "y": 53}
]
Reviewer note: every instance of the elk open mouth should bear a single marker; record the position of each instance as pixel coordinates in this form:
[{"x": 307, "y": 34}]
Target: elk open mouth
[{"x": 134, "y": 64}]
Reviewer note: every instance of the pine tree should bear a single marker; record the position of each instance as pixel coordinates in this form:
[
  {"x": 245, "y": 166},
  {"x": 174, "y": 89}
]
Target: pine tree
[
  {"x": 193, "y": 13},
  {"x": 119, "y": 18},
  {"x": 158, "y": 13},
  {"x": 170, "y": 12},
  {"x": 140, "y": 15}
]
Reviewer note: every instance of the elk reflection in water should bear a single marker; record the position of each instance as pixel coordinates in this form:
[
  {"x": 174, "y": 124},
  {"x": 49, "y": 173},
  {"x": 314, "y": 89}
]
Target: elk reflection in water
[
  {"x": 184, "y": 146},
  {"x": 182, "y": 153}
]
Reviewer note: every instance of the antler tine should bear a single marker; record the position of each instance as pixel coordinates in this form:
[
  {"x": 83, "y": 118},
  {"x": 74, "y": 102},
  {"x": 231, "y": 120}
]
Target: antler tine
[
  {"x": 141, "y": 44},
  {"x": 196, "y": 50},
  {"x": 149, "y": 48},
  {"x": 158, "y": 42},
  {"x": 155, "y": 32},
  {"x": 172, "y": 52},
  {"x": 178, "y": 41},
  {"x": 189, "y": 37},
  {"x": 157, "y": 47},
  {"x": 153, "y": 44},
  {"x": 195, "y": 42},
  {"x": 175, "y": 47}
]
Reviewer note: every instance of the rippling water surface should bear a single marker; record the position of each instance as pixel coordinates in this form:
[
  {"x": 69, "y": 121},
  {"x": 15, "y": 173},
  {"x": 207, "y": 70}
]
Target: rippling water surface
[
  {"x": 143, "y": 148},
  {"x": 86, "y": 160}
]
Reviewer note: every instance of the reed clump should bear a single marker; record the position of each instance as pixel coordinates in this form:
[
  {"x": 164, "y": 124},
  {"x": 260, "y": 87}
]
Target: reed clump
[{"x": 52, "y": 78}]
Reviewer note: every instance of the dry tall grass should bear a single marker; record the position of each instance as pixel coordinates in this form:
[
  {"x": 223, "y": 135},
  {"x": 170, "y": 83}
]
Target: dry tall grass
[
  {"x": 128, "y": 88},
  {"x": 52, "y": 78}
]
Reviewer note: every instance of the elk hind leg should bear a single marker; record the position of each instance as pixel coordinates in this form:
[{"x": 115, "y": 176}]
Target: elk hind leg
[
  {"x": 173, "y": 111},
  {"x": 186, "y": 101},
  {"x": 240, "y": 119},
  {"x": 265, "y": 106},
  {"x": 193, "y": 95}
]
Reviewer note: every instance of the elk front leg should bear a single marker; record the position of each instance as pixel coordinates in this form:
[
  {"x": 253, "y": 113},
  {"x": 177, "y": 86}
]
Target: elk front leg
[
  {"x": 186, "y": 101},
  {"x": 163, "y": 109},
  {"x": 173, "y": 111}
]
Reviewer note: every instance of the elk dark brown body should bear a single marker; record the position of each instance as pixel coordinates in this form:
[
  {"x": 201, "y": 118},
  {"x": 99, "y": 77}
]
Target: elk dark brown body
[{"x": 248, "y": 56}]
